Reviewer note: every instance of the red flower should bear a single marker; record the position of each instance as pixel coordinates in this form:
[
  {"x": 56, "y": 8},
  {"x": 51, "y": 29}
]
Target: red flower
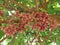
[
  {"x": 10, "y": 30},
  {"x": 41, "y": 20}
]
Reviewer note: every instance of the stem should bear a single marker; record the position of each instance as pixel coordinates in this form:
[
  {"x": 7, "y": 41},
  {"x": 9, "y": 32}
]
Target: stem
[
  {"x": 36, "y": 5},
  {"x": 12, "y": 41},
  {"x": 3, "y": 39},
  {"x": 1, "y": 5},
  {"x": 41, "y": 4},
  {"x": 47, "y": 37},
  {"x": 45, "y": 4}
]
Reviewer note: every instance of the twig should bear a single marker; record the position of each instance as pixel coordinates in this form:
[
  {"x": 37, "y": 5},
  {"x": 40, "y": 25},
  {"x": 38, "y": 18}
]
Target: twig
[
  {"x": 14, "y": 37},
  {"x": 5, "y": 5},
  {"x": 3, "y": 39},
  {"x": 49, "y": 34},
  {"x": 1, "y": 5},
  {"x": 36, "y": 5},
  {"x": 41, "y": 4},
  {"x": 45, "y": 4}
]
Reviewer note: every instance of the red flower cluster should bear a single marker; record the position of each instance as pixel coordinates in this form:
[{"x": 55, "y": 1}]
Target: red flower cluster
[
  {"x": 10, "y": 30},
  {"x": 40, "y": 20},
  {"x": 24, "y": 21},
  {"x": 26, "y": 18},
  {"x": 21, "y": 22}
]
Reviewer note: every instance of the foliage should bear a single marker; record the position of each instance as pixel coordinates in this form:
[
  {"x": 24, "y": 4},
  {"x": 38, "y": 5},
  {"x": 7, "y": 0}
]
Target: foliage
[{"x": 27, "y": 22}]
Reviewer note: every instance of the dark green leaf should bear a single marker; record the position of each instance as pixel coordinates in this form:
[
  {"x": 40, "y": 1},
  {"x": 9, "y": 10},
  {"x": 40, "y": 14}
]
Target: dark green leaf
[{"x": 1, "y": 34}]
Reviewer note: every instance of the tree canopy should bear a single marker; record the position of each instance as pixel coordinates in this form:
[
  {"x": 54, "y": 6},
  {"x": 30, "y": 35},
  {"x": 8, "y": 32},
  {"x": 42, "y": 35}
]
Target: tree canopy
[{"x": 30, "y": 22}]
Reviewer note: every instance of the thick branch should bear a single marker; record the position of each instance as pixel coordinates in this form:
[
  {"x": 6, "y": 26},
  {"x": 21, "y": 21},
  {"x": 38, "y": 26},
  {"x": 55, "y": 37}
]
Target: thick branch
[{"x": 56, "y": 17}]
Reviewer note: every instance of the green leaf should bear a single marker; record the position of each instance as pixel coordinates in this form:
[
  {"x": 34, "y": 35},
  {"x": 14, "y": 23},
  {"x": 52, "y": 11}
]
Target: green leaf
[
  {"x": 5, "y": 13},
  {"x": 58, "y": 41},
  {"x": 43, "y": 34},
  {"x": 1, "y": 34},
  {"x": 1, "y": 2},
  {"x": 19, "y": 40},
  {"x": 47, "y": 42},
  {"x": 28, "y": 30}
]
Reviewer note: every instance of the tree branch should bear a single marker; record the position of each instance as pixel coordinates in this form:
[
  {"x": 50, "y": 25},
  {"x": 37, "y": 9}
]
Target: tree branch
[
  {"x": 56, "y": 17},
  {"x": 36, "y": 5},
  {"x": 45, "y": 4},
  {"x": 3, "y": 39},
  {"x": 41, "y": 4},
  {"x": 1, "y": 5},
  {"x": 5, "y": 5},
  {"x": 19, "y": 4}
]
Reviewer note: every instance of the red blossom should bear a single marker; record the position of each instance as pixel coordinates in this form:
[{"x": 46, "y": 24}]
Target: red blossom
[
  {"x": 10, "y": 30},
  {"x": 40, "y": 21}
]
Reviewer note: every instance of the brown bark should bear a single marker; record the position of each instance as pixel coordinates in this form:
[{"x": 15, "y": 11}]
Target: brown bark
[{"x": 56, "y": 17}]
